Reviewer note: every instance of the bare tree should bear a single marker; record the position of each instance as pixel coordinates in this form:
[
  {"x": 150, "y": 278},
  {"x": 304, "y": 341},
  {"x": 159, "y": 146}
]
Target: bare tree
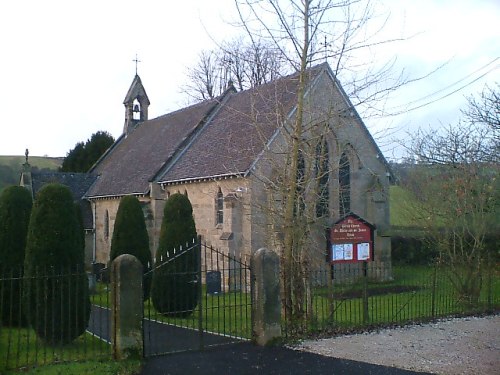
[
  {"x": 298, "y": 29},
  {"x": 456, "y": 190},
  {"x": 245, "y": 65},
  {"x": 486, "y": 111},
  {"x": 204, "y": 83}
]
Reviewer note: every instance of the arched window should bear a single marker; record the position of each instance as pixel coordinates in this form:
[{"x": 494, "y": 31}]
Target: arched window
[
  {"x": 106, "y": 225},
  {"x": 344, "y": 185},
  {"x": 219, "y": 207},
  {"x": 323, "y": 178}
]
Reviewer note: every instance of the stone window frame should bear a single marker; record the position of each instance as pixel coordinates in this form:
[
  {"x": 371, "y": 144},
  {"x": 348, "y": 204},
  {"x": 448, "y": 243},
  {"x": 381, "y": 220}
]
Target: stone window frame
[
  {"x": 219, "y": 207},
  {"x": 106, "y": 225}
]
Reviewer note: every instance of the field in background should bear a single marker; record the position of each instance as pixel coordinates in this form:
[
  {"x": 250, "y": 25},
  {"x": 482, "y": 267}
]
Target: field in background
[{"x": 11, "y": 167}]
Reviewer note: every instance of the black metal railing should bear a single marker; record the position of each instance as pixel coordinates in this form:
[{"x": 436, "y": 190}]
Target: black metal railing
[
  {"x": 352, "y": 297},
  {"x": 52, "y": 316},
  {"x": 221, "y": 314}
]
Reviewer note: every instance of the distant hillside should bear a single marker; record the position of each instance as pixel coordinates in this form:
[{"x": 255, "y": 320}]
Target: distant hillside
[{"x": 11, "y": 167}]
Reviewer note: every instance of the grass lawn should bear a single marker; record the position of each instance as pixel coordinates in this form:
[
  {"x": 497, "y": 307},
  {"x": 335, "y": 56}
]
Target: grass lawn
[
  {"x": 225, "y": 313},
  {"x": 20, "y": 347},
  {"x": 414, "y": 294},
  {"x": 128, "y": 367}
]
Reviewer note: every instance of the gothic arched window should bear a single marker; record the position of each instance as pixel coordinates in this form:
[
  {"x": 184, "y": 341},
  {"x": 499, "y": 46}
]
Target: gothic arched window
[
  {"x": 344, "y": 185},
  {"x": 323, "y": 178},
  {"x": 219, "y": 207},
  {"x": 106, "y": 225}
]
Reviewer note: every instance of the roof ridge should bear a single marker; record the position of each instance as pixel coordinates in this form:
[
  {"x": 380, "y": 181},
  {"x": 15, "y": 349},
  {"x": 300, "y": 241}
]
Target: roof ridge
[{"x": 189, "y": 107}]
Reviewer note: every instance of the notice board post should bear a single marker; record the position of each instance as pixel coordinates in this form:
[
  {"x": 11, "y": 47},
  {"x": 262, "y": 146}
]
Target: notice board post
[{"x": 351, "y": 240}]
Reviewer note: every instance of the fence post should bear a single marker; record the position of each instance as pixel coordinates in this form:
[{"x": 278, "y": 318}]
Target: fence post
[
  {"x": 433, "y": 296},
  {"x": 365, "y": 293},
  {"x": 489, "y": 289},
  {"x": 200, "y": 293},
  {"x": 266, "y": 303},
  {"x": 126, "y": 307}
]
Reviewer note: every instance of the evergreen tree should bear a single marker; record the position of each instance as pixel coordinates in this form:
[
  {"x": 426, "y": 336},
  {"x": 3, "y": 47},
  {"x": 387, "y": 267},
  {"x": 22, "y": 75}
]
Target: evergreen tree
[
  {"x": 75, "y": 159},
  {"x": 175, "y": 280},
  {"x": 83, "y": 156},
  {"x": 55, "y": 290},
  {"x": 15, "y": 209},
  {"x": 130, "y": 236},
  {"x": 81, "y": 230},
  {"x": 97, "y": 145}
]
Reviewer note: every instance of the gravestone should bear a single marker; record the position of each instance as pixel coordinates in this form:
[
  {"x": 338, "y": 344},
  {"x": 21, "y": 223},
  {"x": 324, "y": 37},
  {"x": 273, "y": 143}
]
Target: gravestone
[{"x": 213, "y": 281}]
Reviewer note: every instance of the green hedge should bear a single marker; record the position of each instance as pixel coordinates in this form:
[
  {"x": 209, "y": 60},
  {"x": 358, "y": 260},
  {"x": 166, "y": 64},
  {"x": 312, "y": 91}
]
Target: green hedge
[
  {"x": 130, "y": 236},
  {"x": 175, "y": 284},
  {"x": 412, "y": 247},
  {"x": 55, "y": 290},
  {"x": 15, "y": 210}
]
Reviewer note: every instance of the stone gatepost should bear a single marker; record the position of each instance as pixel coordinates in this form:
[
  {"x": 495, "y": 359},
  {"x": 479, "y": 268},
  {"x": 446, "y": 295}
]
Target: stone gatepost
[
  {"x": 126, "y": 307},
  {"x": 266, "y": 304}
]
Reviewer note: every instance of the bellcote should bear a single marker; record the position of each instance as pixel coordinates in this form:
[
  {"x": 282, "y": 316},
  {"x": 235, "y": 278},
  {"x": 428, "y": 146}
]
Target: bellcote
[{"x": 136, "y": 105}]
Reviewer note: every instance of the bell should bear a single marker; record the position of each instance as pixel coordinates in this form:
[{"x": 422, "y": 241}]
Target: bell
[{"x": 136, "y": 108}]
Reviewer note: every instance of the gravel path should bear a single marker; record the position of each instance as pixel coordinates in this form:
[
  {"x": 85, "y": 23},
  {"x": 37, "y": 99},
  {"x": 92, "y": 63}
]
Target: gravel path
[{"x": 455, "y": 346}]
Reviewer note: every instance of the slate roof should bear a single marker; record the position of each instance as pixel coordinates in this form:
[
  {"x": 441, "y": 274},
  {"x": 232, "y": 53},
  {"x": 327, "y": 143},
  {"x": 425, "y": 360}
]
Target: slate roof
[
  {"x": 78, "y": 183},
  {"x": 213, "y": 138},
  {"x": 134, "y": 159},
  {"x": 237, "y": 134}
]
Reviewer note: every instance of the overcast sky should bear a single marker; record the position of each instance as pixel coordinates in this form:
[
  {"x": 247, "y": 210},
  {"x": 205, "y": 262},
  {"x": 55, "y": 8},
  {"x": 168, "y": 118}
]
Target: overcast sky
[{"x": 67, "y": 65}]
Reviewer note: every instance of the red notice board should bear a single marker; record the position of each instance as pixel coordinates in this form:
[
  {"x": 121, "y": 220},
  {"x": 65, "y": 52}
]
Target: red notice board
[{"x": 350, "y": 240}]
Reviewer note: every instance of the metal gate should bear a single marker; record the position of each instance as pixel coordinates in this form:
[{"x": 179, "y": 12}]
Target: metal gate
[{"x": 214, "y": 306}]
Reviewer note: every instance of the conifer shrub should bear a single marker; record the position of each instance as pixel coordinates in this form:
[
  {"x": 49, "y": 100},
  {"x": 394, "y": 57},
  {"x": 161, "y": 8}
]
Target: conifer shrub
[
  {"x": 55, "y": 290},
  {"x": 15, "y": 210},
  {"x": 130, "y": 236},
  {"x": 81, "y": 232},
  {"x": 175, "y": 281}
]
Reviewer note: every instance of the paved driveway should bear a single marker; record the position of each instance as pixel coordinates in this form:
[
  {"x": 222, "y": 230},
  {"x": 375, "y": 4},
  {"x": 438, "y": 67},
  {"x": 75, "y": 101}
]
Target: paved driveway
[
  {"x": 246, "y": 358},
  {"x": 159, "y": 337},
  {"x": 228, "y": 358}
]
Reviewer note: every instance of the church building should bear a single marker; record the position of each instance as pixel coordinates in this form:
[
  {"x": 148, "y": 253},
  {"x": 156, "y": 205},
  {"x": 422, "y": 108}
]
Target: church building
[{"x": 229, "y": 154}]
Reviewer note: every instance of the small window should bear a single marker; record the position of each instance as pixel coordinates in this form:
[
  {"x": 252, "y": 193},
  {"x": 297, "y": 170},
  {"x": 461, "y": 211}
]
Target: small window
[
  {"x": 106, "y": 225},
  {"x": 219, "y": 204}
]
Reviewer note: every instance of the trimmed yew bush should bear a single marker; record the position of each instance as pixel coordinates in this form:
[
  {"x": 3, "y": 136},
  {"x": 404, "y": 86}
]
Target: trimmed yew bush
[
  {"x": 55, "y": 291},
  {"x": 130, "y": 236},
  {"x": 175, "y": 279},
  {"x": 15, "y": 210}
]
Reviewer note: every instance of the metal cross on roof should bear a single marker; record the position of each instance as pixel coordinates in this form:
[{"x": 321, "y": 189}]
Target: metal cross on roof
[
  {"x": 326, "y": 45},
  {"x": 136, "y": 60}
]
